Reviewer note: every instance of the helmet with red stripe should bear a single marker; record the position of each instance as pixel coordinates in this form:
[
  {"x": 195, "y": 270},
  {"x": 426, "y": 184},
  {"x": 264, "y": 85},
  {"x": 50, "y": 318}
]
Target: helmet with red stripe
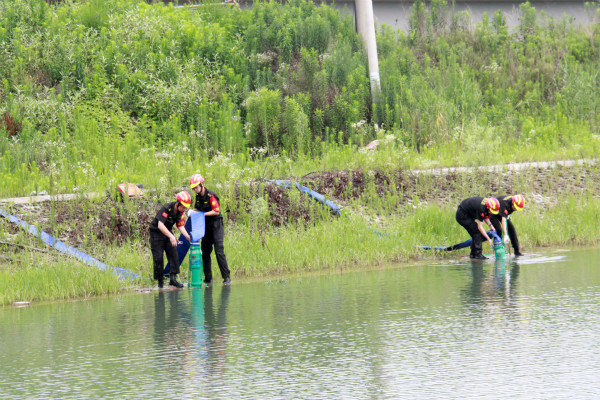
[
  {"x": 184, "y": 198},
  {"x": 493, "y": 205},
  {"x": 195, "y": 180},
  {"x": 518, "y": 202}
]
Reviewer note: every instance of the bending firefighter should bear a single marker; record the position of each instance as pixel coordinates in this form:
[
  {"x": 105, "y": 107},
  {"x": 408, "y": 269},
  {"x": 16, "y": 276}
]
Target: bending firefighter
[
  {"x": 470, "y": 215},
  {"x": 214, "y": 236},
  {"x": 502, "y": 221},
  {"x": 162, "y": 239}
]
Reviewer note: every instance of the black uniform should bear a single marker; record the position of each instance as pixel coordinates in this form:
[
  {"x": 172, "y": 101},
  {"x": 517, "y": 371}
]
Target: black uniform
[
  {"x": 468, "y": 212},
  {"x": 159, "y": 243},
  {"x": 506, "y": 208},
  {"x": 214, "y": 234}
]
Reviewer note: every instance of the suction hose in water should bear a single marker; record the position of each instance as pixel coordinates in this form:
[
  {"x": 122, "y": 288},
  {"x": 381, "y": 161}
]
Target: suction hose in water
[
  {"x": 496, "y": 240},
  {"x": 498, "y": 245}
]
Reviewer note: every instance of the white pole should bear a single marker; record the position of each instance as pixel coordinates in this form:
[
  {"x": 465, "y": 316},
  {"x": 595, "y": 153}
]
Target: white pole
[{"x": 365, "y": 25}]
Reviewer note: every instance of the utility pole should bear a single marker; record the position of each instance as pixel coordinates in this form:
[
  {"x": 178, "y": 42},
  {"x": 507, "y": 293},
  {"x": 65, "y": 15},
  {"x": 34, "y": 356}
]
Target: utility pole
[{"x": 365, "y": 25}]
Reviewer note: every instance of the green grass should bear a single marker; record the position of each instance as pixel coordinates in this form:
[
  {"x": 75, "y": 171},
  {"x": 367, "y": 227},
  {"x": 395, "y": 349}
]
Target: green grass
[
  {"x": 35, "y": 278},
  {"x": 352, "y": 241}
]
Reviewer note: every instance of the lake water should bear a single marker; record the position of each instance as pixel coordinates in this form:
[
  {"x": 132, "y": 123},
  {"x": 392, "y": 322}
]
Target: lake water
[{"x": 526, "y": 328}]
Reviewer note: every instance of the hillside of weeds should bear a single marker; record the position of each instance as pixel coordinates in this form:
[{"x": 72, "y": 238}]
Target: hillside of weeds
[{"x": 93, "y": 93}]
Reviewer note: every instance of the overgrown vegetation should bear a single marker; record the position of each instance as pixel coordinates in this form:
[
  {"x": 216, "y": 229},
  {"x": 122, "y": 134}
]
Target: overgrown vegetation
[{"x": 116, "y": 90}]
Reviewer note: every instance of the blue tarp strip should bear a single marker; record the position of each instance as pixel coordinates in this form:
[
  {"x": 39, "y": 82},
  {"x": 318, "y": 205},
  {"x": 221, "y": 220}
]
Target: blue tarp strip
[
  {"x": 60, "y": 246},
  {"x": 315, "y": 195}
]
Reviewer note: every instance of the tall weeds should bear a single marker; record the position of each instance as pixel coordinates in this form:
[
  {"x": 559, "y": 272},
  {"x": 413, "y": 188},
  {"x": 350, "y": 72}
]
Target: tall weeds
[{"x": 115, "y": 90}]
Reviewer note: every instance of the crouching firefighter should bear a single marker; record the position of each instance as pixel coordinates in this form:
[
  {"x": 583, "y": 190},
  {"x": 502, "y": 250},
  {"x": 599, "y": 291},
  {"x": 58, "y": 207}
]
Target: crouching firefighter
[
  {"x": 470, "y": 215},
  {"x": 162, "y": 239}
]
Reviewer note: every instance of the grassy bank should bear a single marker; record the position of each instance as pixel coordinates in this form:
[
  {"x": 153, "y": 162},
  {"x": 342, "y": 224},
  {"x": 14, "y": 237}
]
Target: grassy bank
[
  {"x": 273, "y": 231},
  {"x": 38, "y": 278}
]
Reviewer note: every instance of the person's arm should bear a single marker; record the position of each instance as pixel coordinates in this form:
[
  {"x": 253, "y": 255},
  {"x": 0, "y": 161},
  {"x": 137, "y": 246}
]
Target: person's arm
[
  {"x": 181, "y": 227},
  {"x": 184, "y": 232},
  {"x": 483, "y": 232},
  {"x": 165, "y": 231},
  {"x": 216, "y": 209},
  {"x": 489, "y": 223}
]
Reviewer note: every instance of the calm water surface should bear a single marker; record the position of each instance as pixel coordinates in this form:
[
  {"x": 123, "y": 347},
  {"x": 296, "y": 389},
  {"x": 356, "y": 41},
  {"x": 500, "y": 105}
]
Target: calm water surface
[{"x": 527, "y": 329}]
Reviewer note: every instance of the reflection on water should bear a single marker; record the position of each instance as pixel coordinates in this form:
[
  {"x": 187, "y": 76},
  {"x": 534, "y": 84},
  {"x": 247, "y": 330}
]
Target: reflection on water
[
  {"x": 215, "y": 325},
  {"x": 190, "y": 332},
  {"x": 523, "y": 328},
  {"x": 492, "y": 285},
  {"x": 209, "y": 330}
]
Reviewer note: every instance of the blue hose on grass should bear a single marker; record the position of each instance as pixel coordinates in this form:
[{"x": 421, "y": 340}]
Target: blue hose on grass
[
  {"x": 315, "y": 195},
  {"x": 62, "y": 247}
]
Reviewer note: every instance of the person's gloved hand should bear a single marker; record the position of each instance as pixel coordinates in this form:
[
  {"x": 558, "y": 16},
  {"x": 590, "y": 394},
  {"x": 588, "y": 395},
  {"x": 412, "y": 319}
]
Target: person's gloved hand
[{"x": 506, "y": 240}]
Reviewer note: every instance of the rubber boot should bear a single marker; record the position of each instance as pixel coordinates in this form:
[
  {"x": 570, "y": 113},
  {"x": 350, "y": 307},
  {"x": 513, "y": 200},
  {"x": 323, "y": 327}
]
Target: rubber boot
[
  {"x": 518, "y": 253},
  {"x": 161, "y": 282},
  {"x": 173, "y": 281},
  {"x": 478, "y": 256}
]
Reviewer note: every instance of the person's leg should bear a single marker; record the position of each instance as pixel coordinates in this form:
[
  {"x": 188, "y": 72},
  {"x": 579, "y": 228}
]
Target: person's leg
[
  {"x": 157, "y": 247},
  {"x": 471, "y": 227},
  {"x": 512, "y": 234},
  {"x": 206, "y": 246},
  {"x": 460, "y": 216},
  {"x": 219, "y": 238},
  {"x": 476, "y": 246},
  {"x": 173, "y": 259},
  {"x": 182, "y": 248}
]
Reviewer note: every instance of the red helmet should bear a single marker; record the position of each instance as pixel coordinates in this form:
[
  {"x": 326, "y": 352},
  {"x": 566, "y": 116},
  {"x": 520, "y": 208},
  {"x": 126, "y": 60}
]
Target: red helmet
[
  {"x": 518, "y": 202},
  {"x": 493, "y": 205},
  {"x": 184, "y": 198},
  {"x": 195, "y": 180}
]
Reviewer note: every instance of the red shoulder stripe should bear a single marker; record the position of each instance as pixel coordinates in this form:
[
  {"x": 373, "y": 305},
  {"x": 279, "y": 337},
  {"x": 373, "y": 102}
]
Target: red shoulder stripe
[{"x": 214, "y": 204}]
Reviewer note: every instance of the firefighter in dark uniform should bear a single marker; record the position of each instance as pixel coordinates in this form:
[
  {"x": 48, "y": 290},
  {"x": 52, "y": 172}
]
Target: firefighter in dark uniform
[
  {"x": 502, "y": 221},
  {"x": 470, "y": 215},
  {"x": 208, "y": 202},
  {"x": 162, "y": 239}
]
